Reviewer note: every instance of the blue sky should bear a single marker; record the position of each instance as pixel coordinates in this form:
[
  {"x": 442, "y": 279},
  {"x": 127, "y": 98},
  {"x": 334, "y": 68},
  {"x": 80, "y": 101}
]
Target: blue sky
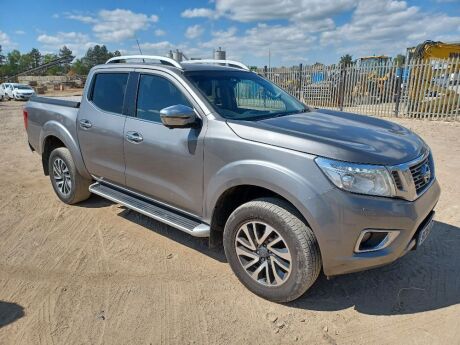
[{"x": 294, "y": 31}]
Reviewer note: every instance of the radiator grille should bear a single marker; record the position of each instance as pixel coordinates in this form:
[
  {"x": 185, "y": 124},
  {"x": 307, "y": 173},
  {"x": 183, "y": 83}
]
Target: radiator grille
[{"x": 422, "y": 174}]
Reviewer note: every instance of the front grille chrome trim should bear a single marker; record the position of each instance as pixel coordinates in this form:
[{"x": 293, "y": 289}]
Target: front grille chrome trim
[{"x": 403, "y": 176}]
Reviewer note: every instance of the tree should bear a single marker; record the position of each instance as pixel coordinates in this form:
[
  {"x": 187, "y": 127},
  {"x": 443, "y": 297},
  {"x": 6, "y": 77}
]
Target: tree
[
  {"x": 96, "y": 55},
  {"x": 35, "y": 57},
  {"x": 399, "y": 60},
  {"x": 79, "y": 67},
  {"x": 2, "y": 57},
  {"x": 55, "y": 70},
  {"x": 65, "y": 52},
  {"x": 12, "y": 63},
  {"x": 346, "y": 60}
]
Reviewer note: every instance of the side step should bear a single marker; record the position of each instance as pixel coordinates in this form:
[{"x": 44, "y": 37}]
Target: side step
[{"x": 151, "y": 209}]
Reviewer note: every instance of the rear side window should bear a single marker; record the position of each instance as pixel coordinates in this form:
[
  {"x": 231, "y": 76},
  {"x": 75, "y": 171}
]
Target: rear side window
[
  {"x": 156, "y": 93},
  {"x": 109, "y": 90}
]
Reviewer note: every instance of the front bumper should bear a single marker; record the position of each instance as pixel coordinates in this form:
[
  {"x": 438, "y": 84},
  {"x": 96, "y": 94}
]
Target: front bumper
[
  {"x": 22, "y": 97},
  {"x": 339, "y": 226}
]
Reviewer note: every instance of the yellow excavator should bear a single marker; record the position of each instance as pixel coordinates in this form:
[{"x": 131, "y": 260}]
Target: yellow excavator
[
  {"x": 433, "y": 77},
  {"x": 371, "y": 82}
]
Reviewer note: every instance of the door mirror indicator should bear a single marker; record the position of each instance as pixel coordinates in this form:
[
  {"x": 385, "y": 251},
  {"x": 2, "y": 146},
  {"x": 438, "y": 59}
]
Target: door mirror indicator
[{"x": 178, "y": 116}]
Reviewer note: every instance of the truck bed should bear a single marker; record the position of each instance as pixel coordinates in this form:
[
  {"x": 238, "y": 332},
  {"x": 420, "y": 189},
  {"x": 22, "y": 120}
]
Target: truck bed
[
  {"x": 71, "y": 101},
  {"x": 51, "y": 115}
]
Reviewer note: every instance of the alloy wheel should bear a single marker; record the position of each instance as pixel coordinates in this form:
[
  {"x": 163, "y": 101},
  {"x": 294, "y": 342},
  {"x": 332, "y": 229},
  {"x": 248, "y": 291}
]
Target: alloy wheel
[
  {"x": 263, "y": 253},
  {"x": 62, "y": 178}
]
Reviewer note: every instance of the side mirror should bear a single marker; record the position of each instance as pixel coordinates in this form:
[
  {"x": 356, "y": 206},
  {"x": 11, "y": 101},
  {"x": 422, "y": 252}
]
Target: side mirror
[{"x": 178, "y": 116}]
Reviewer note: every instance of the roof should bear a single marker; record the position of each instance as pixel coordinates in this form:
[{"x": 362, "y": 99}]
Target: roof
[{"x": 185, "y": 67}]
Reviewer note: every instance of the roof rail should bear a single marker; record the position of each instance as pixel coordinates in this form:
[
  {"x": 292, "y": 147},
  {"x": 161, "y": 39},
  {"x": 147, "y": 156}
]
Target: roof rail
[
  {"x": 162, "y": 59},
  {"x": 230, "y": 63}
]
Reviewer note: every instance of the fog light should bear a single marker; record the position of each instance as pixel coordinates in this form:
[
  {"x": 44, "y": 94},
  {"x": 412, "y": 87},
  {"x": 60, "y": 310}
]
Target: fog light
[{"x": 371, "y": 240}]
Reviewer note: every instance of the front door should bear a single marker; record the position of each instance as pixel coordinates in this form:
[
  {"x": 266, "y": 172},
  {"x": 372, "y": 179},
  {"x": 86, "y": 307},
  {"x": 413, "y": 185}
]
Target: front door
[
  {"x": 100, "y": 126},
  {"x": 164, "y": 164}
]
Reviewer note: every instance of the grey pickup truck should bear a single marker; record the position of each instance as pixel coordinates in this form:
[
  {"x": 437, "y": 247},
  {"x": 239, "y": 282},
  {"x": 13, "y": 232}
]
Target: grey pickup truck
[{"x": 215, "y": 150}]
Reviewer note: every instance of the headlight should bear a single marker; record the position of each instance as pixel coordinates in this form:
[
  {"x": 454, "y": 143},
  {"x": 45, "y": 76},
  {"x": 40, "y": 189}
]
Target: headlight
[{"x": 358, "y": 178}]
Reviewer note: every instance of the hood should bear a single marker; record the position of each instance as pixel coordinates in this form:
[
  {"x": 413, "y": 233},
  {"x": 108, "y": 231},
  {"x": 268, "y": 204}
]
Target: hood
[
  {"x": 24, "y": 91},
  {"x": 337, "y": 135}
]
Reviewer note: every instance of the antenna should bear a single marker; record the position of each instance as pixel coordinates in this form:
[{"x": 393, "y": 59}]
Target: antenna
[{"x": 139, "y": 46}]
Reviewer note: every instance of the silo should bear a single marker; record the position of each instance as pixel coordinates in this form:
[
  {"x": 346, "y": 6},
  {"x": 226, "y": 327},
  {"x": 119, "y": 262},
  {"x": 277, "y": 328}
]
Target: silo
[
  {"x": 219, "y": 54},
  {"x": 177, "y": 55}
]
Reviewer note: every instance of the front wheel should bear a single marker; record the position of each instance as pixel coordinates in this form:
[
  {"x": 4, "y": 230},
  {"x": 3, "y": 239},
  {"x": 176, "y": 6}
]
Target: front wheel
[
  {"x": 68, "y": 184},
  {"x": 271, "y": 250}
]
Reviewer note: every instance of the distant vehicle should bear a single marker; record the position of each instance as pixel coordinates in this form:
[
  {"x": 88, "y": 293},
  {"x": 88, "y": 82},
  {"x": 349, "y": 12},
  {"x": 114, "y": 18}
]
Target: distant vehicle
[
  {"x": 5, "y": 90},
  {"x": 21, "y": 92},
  {"x": 438, "y": 86},
  {"x": 219, "y": 151}
]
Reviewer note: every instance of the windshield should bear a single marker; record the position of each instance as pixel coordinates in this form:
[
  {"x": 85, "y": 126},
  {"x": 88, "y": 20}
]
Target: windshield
[
  {"x": 240, "y": 95},
  {"x": 22, "y": 87}
]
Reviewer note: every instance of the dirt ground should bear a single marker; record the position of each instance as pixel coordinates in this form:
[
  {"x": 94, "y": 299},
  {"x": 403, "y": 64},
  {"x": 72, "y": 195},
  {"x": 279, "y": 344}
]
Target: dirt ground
[{"x": 97, "y": 273}]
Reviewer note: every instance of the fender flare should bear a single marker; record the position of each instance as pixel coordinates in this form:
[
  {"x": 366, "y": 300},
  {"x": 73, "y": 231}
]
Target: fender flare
[
  {"x": 288, "y": 184},
  {"x": 56, "y": 129}
]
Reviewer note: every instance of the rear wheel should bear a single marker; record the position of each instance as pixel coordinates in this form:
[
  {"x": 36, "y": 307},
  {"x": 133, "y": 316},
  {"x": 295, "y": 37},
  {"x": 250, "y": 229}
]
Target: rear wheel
[
  {"x": 271, "y": 250},
  {"x": 68, "y": 184}
]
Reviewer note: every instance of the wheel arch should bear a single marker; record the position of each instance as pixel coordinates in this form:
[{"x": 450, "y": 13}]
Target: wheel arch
[
  {"x": 245, "y": 180},
  {"x": 54, "y": 135}
]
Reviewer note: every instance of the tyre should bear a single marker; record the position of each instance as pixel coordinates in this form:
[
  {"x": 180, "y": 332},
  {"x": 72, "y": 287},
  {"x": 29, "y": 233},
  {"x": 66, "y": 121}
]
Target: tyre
[
  {"x": 67, "y": 183},
  {"x": 271, "y": 250}
]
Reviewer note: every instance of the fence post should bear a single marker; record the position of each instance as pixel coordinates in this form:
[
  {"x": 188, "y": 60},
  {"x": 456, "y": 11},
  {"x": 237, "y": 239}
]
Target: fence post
[
  {"x": 299, "y": 83},
  {"x": 341, "y": 86},
  {"x": 265, "y": 71},
  {"x": 398, "y": 93}
]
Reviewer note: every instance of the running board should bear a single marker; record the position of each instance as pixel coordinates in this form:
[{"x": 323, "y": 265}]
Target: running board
[{"x": 151, "y": 209}]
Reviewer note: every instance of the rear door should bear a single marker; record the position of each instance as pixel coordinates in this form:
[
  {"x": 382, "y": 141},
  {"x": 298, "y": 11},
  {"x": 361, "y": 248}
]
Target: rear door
[
  {"x": 164, "y": 164},
  {"x": 101, "y": 122}
]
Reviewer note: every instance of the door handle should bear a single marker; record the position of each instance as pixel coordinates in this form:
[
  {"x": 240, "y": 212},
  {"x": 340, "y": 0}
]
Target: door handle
[
  {"x": 85, "y": 124},
  {"x": 134, "y": 137}
]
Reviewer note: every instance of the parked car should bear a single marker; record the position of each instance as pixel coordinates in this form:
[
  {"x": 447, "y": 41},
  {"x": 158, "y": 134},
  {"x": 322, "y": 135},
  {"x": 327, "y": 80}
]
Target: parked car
[
  {"x": 217, "y": 151},
  {"x": 5, "y": 90},
  {"x": 22, "y": 92}
]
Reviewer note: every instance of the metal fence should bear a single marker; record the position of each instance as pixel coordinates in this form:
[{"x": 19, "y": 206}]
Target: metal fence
[{"x": 418, "y": 89}]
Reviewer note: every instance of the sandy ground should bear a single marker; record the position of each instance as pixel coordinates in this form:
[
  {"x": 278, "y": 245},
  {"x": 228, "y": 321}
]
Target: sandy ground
[{"x": 97, "y": 273}]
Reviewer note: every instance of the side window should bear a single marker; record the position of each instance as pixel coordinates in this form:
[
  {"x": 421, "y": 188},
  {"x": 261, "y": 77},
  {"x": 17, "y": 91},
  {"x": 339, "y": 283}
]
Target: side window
[
  {"x": 156, "y": 93},
  {"x": 109, "y": 90}
]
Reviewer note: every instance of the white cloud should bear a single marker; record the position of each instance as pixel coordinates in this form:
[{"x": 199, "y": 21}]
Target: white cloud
[
  {"x": 75, "y": 41},
  {"x": 4, "y": 38},
  {"x": 60, "y": 37},
  {"x": 231, "y": 31},
  {"x": 20, "y": 32},
  {"x": 116, "y": 25},
  {"x": 198, "y": 12},
  {"x": 258, "y": 10},
  {"x": 159, "y": 32},
  {"x": 156, "y": 48},
  {"x": 82, "y": 18},
  {"x": 194, "y": 31},
  {"x": 388, "y": 27},
  {"x": 282, "y": 41}
]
